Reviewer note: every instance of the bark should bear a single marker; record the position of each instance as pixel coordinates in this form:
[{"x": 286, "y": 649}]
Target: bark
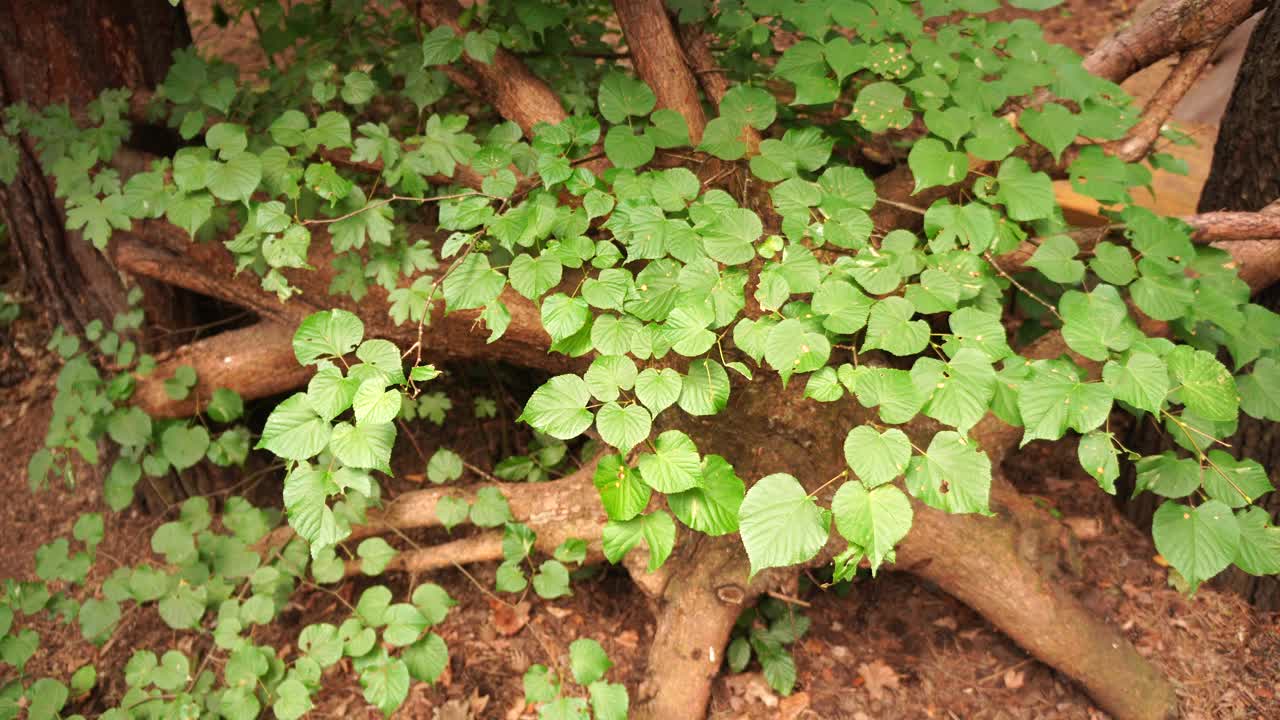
[
  {"x": 256, "y": 361},
  {"x": 1170, "y": 28},
  {"x": 714, "y": 82},
  {"x": 1245, "y": 174},
  {"x": 516, "y": 93},
  {"x": 68, "y": 53},
  {"x": 659, "y": 60}
]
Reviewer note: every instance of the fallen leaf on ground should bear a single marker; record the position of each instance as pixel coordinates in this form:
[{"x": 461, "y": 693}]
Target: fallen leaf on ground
[
  {"x": 791, "y": 707},
  {"x": 878, "y": 677},
  {"x": 509, "y": 619},
  {"x": 1013, "y": 679}
]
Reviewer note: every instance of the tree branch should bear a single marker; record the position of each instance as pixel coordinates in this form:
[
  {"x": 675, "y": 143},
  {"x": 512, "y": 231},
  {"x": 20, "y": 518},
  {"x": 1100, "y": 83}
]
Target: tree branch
[
  {"x": 659, "y": 60},
  {"x": 1173, "y": 27},
  {"x": 517, "y": 94},
  {"x": 714, "y": 82},
  {"x": 1160, "y": 107}
]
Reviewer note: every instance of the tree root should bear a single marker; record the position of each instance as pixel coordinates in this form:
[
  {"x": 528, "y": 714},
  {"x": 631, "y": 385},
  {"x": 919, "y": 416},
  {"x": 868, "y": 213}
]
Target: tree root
[
  {"x": 707, "y": 591},
  {"x": 994, "y": 566},
  {"x": 255, "y": 361}
]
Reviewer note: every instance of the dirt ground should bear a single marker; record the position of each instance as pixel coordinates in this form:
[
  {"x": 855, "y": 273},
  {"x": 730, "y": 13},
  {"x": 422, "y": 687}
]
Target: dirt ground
[{"x": 892, "y": 647}]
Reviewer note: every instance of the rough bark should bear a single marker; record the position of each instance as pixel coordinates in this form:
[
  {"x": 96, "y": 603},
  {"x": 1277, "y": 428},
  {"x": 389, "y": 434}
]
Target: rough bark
[
  {"x": 714, "y": 82},
  {"x": 659, "y": 60},
  {"x": 1170, "y": 28},
  {"x": 257, "y": 361},
  {"x": 68, "y": 53},
  {"x": 1245, "y": 174},
  {"x": 516, "y": 93}
]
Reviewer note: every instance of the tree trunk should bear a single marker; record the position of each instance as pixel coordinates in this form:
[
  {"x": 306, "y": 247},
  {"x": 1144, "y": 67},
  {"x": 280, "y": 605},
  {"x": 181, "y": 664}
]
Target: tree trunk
[
  {"x": 68, "y": 52},
  {"x": 1245, "y": 176},
  {"x": 1246, "y": 160}
]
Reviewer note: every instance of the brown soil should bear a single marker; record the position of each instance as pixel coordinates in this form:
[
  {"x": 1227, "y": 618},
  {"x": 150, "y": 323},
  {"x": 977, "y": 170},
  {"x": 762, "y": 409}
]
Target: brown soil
[{"x": 885, "y": 648}]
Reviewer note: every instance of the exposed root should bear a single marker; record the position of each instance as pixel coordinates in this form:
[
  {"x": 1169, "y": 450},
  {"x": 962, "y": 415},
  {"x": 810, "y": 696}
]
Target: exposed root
[
  {"x": 997, "y": 567},
  {"x": 486, "y": 547},
  {"x": 707, "y": 592},
  {"x": 657, "y": 55},
  {"x": 255, "y": 361}
]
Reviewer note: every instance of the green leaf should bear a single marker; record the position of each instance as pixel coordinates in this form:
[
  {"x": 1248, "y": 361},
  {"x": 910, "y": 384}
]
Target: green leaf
[
  {"x": 609, "y": 701},
  {"x": 1097, "y": 456},
  {"x": 490, "y": 508},
  {"x": 366, "y": 446},
  {"x": 1168, "y": 475},
  {"x": 374, "y": 554},
  {"x": 1052, "y": 125},
  {"x": 657, "y": 529},
  {"x": 1198, "y": 542},
  {"x": 452, "y": 511},
  {"x": 608, "y": 374},
  {"x": 891, "y": 328},
  {"x": 626, "y": 149},
  {"x": 563, "y": 316},
  {"x": 481, "y": 45},
  {"x": 1096, "y": 322},
  {"x": 427, "y": 658},
  {"x": 623, "y": 427},
  {"x": 47, "y": 696},
  {"x": 294, "y": 431},
  {"x": 621, "y": 97},
  {"x": 558, "y": 407},
  {"x": 327, "y": 334},
  {"x": 1142, "y": 380},
  {"x": 1055, "y": 399},
  {"x": 184, "y": 446},
  {"x": 1205, "y": 386},
  {"x": 588, "y": 661},
  {"x": 130, "y": 427},
  {"x": 879, "y": 106},
  {"x": 472, "y": 284},
  {"x": 1234, "y": 483},
  {"x": 622, "y": 492},
  {"x": 445, "y": 466},
  {"x": 673, "y": 466},
  {"x": 846, "y": 308},
  {"x": 877, "y": 458},
  {"x": 1259, "y": 552},
  {"x": 980, "y": 330},
  {"x": 952, "y": 475},
  {"x": 713, "y": 507},
  {"x": 705, "y": 389},
  {"x": 441, "y": 46},
  {"x": 932, "y": 164},
  {"x": 962, "y": 389},
  {"x": 1055, "y": 259},
  {"x": 385, "y": 681},
  {"x": 532, "y": 277},
  {"x": 98, "y": 619},
  {"x": 780, "y": 523},
  {"x": 237, "y": 178},
  {"x": 1026, "y": 195},
  {"x": 730, "y": 237},
  {"x": 658, "y": 389},
  {"x": 373, "y": 406},
  {"x": 874, "y": 520}
]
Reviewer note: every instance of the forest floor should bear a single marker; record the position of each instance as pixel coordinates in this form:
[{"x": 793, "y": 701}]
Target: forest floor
[{"x": 892, "y": 647}]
